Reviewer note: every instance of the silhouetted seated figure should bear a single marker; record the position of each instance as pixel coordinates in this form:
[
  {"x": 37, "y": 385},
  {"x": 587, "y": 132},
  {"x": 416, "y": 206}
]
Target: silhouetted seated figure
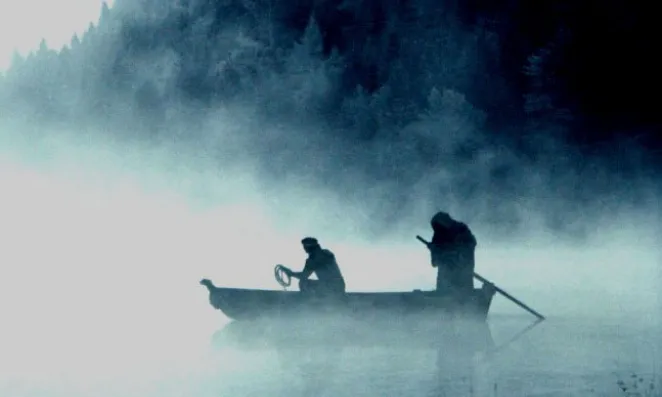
[
  {"x": 323, "y": 263},
  {"x": 453, "y": 254}
]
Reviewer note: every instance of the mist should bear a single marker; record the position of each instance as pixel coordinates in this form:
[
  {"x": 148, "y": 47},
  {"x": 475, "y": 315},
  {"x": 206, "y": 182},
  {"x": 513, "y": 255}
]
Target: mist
[{"x": 109, "y": 222}]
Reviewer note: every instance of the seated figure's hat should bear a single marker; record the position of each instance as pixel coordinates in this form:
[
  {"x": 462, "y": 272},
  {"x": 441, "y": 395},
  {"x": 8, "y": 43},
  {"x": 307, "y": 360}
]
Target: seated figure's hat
[{"x": 309, "y": 241}]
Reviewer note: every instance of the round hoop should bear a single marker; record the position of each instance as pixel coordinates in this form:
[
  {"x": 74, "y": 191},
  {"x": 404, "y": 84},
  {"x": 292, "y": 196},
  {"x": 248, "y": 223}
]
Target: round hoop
[{"x": 282, "y": 276}]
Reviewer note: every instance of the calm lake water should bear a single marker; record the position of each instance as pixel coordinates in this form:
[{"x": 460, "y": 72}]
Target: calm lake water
[{"x": 558, "y": 357}]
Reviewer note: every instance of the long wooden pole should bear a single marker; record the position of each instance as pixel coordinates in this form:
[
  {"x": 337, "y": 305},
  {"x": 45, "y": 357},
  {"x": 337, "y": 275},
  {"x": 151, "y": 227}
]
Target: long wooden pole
[{"x": 499, "y": 290}]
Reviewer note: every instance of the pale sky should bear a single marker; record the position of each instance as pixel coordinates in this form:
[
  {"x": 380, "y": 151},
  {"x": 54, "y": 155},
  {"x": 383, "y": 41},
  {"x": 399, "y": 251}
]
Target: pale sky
[{"x": 23, "y": 23}]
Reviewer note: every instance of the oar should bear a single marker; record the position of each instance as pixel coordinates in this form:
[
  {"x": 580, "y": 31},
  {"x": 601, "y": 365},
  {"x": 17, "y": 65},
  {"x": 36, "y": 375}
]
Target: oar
[
  {"x": 499, "y": 290},
  {"x": 514, "y": 338}
]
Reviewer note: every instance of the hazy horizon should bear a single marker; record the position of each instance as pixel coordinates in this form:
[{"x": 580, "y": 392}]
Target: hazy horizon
[{"x": 176, "y": 210}]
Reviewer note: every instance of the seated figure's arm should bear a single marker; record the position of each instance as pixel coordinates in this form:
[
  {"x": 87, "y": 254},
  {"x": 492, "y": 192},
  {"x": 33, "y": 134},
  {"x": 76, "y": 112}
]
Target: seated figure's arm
[{"x": 305, "y": 273}]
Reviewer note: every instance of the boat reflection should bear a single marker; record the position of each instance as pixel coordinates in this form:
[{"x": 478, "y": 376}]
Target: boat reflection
[
  {"x": 325, "y": 360},
  {"x": 458, "y": 333}
]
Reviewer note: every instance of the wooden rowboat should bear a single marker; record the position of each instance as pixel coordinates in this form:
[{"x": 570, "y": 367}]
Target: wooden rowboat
[{"x": 241, "y": 304}]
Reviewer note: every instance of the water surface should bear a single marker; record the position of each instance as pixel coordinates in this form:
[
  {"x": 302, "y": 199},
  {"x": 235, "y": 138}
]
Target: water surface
[{"x": 561, "y": 356}]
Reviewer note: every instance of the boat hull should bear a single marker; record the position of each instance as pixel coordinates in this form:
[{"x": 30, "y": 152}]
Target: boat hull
[{"x": 367, "y": 307}]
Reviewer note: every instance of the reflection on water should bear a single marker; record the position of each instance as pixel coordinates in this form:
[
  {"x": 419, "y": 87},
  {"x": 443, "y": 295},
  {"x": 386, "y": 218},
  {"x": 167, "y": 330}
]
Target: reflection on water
[
  {"x": 558, "y": 357},
  {"x": 389, "y": 366},
  {"x": 554, "y": 357}
]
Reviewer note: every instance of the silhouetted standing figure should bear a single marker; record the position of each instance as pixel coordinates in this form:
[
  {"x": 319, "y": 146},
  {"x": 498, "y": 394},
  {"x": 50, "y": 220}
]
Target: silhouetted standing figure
[{"x": 452, "y": 250}]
